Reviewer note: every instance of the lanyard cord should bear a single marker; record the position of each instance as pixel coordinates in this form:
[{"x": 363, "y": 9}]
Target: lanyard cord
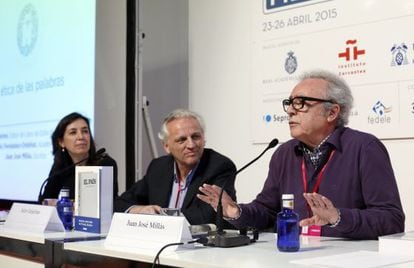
[
  {"x": 178, "y": 194},
  {"x": 318, "y": 181}
]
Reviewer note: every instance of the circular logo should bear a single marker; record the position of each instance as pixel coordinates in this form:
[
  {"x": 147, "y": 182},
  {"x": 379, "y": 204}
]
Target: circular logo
[
  {"x": 291, "y": 63},
  {"x": 27, "y": 30},
  {"x": 399, "y": 58}
]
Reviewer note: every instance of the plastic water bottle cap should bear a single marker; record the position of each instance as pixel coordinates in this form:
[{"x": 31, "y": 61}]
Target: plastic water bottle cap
[
  {"x": 64, "y": 193},
  {"x": 288, "y": 196}
]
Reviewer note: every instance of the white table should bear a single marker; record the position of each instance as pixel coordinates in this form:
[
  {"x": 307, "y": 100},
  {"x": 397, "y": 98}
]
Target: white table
[
  {"x": 60, "y": 248},
  {"x": 37, "y": 247},
  {"x": 263, "y": 253}
]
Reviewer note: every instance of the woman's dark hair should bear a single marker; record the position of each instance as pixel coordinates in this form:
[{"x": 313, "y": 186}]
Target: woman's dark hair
[{"x": 62, "y": 159}]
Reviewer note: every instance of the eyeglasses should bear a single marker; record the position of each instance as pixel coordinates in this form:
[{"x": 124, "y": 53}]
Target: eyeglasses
[{"x": 299, "y": 102}]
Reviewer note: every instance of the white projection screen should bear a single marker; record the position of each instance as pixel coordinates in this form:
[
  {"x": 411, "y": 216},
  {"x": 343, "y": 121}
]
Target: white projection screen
[{"x": 49, "y": 69}]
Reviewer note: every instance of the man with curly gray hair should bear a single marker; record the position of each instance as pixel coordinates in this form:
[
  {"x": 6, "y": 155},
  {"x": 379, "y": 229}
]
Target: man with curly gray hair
[{"x": 342, "y": 179}]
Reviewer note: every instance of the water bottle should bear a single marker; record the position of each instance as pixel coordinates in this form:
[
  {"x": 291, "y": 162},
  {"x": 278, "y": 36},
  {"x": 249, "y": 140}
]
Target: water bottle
[
  {"x": 65, "y": 209},
  {"x": 287, "y": 226}
]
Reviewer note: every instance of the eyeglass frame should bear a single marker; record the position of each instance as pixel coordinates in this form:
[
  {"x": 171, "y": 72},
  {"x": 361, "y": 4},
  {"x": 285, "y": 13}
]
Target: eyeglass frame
[{"x": 287, "y": 102}]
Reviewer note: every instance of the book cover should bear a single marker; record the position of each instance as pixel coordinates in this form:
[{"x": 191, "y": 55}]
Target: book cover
[{"x": 93, "y": 198}]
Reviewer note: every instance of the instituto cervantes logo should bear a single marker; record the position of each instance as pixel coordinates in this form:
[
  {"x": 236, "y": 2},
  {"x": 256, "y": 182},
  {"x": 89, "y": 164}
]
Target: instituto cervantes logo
[
  {"x": 351, "y": 51},
  {"x": 353, "y": 56}
]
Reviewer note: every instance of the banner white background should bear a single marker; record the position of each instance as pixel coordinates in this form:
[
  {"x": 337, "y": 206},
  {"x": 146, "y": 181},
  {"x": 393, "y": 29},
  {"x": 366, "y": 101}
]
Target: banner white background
[{"x": 379, "y": 64}]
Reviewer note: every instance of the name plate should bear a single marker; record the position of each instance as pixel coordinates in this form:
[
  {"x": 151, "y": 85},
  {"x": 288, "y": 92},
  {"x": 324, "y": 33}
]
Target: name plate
[
  {"x": 33, "y": 219},
  {"x": 132, "y": 232}
]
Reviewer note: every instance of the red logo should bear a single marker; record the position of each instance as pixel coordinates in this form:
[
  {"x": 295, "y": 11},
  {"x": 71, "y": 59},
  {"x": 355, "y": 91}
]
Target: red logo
[
  {"x": 351, "y": 51},
  {"x": 354, "y": 63}
]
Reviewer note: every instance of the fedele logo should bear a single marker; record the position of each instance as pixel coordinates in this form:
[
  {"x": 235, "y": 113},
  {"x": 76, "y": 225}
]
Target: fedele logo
[
  {"x": 380, "y": 109},
  {"x": 380, "y": 114}
]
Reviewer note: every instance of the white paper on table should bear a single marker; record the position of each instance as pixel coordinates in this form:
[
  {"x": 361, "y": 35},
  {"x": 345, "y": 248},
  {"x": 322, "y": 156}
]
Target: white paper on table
[{"x": 356, "y": 259}]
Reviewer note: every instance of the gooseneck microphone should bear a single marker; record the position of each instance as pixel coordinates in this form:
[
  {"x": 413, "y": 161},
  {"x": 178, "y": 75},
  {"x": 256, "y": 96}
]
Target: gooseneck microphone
[
  {"x": 272, "y": 144},
  {"x": 98, "y": 155},
  {"x": 221, "y": 240}
]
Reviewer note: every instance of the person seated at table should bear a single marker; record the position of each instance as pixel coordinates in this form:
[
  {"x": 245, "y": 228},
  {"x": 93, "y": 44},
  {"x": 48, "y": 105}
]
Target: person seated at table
[
  {"x": 172, "y": 181},
  {"x": 72, "y": 142},
  {"x": 341, "y": 178}
]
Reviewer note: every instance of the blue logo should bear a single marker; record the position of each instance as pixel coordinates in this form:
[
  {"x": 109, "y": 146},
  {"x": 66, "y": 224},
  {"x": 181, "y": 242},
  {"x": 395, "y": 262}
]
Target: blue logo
[
  {"x": 399, "y": 54},
  {"x": 275, "y": 118},
  {"x": 267, "y": 118},
  {"x": 280, "y": 5},
  {"x": 380, "y": 117},
  {"x": 291, "y": 63},
  {"x": 27, "y": 30},
  {"x": 380, "y": 109},
  {"x": 272, "y": 4}
]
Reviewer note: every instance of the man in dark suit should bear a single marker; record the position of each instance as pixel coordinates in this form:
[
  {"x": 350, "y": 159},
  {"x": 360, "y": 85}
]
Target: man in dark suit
[{"x": 172, "y": 181}]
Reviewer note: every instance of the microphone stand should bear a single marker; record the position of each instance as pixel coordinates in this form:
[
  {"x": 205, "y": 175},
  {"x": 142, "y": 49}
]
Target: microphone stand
[{"x": 221, "y": 238}]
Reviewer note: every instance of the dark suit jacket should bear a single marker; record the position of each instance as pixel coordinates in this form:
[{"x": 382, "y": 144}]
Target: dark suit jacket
[{"x": 156, "y": 186}]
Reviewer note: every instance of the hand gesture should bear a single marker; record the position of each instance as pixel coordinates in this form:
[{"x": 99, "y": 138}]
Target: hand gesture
[
  {"x": 322, "y": 208},
  {"x": 211, "y": 194}
]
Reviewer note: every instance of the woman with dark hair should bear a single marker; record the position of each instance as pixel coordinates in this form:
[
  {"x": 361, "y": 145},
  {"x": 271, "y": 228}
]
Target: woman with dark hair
[{"x": 72, "y": 143}]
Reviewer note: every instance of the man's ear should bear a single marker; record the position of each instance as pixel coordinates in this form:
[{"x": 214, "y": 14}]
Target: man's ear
[
  {"x": 333, "y": 113},
  {"x": 166, "y": 148}
]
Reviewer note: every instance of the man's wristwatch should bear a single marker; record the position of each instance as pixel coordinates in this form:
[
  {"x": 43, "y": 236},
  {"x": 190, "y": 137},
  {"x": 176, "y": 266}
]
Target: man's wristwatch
[
  {"x": 233, "y": 219},
  {"x": 338, "y": 220}
]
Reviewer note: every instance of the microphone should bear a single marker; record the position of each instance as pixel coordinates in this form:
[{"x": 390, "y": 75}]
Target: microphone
[
  {"x": 222, "y": 239},
  {"x": 98, "y": 155},
  {"x": 272, "y": 144},
  {"x": 101, "y": 153}
]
